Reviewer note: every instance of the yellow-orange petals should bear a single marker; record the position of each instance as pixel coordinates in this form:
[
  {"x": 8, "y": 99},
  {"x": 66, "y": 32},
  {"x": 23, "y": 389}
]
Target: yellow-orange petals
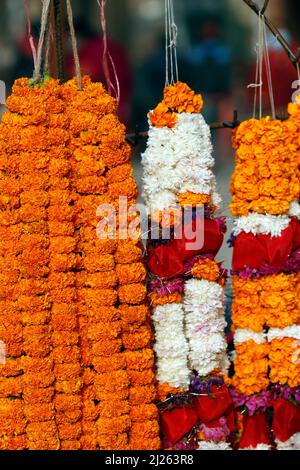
[
  {"x": 265, "y": 185},
  {"x": 251, "y": 367},
  {"x": 270, "y": 300},
  {"x": 206, "y": 269},
  {"x": 284, "y": 361},
  {"x": 156, "y": 300},
  {"x": 164, "y": 391},
  {"x": 182, "y": 99},
  {"x": 178, "y": 98},
  {"x": 162, "y": 117},
  {"x": 192, "y": 199}
]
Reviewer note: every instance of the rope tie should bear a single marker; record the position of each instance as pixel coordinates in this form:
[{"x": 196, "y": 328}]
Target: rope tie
[
  {"x": 39, "y": 57},
  {"x": 262, "y": 58},
  {"x": 74, "y": 44},
  {"x": 30, "y": 36},
  {"x": 107, "y": 58},
  {"x": 171, "y": 32}
]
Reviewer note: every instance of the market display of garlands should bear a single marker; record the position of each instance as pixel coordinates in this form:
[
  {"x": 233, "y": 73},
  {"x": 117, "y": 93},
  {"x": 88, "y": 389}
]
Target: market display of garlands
[{"x": 109, "y": 346}]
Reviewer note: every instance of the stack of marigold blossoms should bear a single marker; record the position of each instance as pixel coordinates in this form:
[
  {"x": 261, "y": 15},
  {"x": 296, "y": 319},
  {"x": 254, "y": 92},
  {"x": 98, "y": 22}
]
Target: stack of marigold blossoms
[
  {"x": 266, "y": 259},
  {"x": 186, "y": 287},
  {"x": 119, "y": 383},
  {"x": 79, "y": 365}
]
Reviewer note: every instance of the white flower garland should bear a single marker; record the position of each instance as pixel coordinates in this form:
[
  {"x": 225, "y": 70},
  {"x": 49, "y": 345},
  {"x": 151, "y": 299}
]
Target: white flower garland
[
  {"x": 293, "y": 443},
  {"x": 295, "y": 209},
  {"x": 243, "y": 335},
  {"x": 208, "y": 445},
  {"x": 171, "y": 346},
  {"x": 265, "y": 224},
  {"x": 178, "y": 160},
  {"x": 288, "y": 332},
  {"x": 204, "y": 325},
  {"x": 258, "y": 447}
]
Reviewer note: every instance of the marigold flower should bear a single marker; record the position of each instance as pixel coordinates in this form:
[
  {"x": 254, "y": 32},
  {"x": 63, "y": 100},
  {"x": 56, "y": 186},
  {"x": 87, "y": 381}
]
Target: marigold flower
[
  {"x": 162, "y": 117},
  {"x": 109, "y": 364},
  {"x": 164, "y": 390},
  {"x": 130, "y": 274},
  {"x": 113, "y": 442},
  {"x": 156, "y": 299},
  {"x": 192, "y": 199},
  {"x": 147, "y": 429},
  {"x": 114, "y": 426},
  {"x": 133, "y": 314},
  {"x": 142, "y": 395},
  {"x": 139, "y": 360},
  {"x": 144, "y": 377},
  {"x": 143, "y": 412},
  {"x": 138, "y": 340},
  {"x": 132, "y": 293}
]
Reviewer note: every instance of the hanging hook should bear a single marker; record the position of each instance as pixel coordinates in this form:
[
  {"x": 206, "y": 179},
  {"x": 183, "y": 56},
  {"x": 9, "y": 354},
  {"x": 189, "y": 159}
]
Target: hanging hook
[{"x": 263, "y": 10}]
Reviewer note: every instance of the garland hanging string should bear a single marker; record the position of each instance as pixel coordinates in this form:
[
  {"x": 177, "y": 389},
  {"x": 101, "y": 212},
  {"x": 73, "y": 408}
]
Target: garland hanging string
[
  {"x": 30, "y": 36},
  {"x": 268, "y": 67},
  {"x": 262, "y": 58},
  {"x": 107, "y": 58},
  {"x": 37, "y": 68},
  {"x": 74, "y": 44},
  {"x": 171, "y": 44}
]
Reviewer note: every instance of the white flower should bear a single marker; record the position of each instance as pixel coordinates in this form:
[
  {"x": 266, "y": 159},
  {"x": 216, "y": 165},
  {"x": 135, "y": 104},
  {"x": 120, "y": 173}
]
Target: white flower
[
  {"x": 265, "y": 224},
  {"x": 209, "y": 445},
  {"x": 293, "y": 443},
  {"x": 242, "y": 335},
  {"x": 288, "y": 332},
  {"x": 178, "y": 160},
  {"x": 204, "y": 325},
  {"x": 295, "y": 209},
  {"x": 258, "y": 447},
  {"x": 170, "y": 346}
]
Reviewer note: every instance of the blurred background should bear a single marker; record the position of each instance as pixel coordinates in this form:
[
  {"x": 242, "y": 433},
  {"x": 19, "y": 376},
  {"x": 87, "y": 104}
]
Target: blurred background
[{"x": 216, "y": 48}]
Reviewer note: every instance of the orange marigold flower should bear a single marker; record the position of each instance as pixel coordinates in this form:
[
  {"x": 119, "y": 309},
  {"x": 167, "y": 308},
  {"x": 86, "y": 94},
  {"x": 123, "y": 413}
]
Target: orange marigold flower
[
  {"x": 192, "y": 199},
  {"x": 162, "y": 117},
  {"x": 132, "y": 293},
  {"x": 181, "y": 98},
  {"x": 131, "y": 273},
  {"x": 138, "y": 340},
  {"x": 206, "y": 269},
  {"x": 156, "y": 300}
]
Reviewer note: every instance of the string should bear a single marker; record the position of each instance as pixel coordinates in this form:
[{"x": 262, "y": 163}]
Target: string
[
  {"x": 74, "y": 44},
  {"x": 255, "y": 86},
  {"x": 48, "y": 45},
  {"x": 167, "y": 82},
  {"x": 30, "y": 36},
  {"x": 261, "y": 56},
  {"x": 268, "y": 70},
  {"x": 171, "y": 32},
  {"x": 298, "y": 72},
  {"x": 170, "y": 42},
  {"x": 44, "y": 19},
  {"x": 174, "y": 38},
  {"x": 106, "y": 56}
]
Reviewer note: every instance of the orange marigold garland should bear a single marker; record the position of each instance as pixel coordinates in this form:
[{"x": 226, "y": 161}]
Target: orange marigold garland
[
  {"x": 266, "y": 307},
  {"x": 117, "y": 276},
  {"x": 65, "y": 384}
]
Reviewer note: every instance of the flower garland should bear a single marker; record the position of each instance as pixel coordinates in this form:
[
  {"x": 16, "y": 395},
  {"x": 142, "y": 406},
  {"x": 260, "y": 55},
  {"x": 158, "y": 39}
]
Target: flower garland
[
  {"x": 264, "y": 185},
  {"x": 265, "y": 309},
  {"x": 186, "y": 285},
  {"x": 79, "y": 370}
]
